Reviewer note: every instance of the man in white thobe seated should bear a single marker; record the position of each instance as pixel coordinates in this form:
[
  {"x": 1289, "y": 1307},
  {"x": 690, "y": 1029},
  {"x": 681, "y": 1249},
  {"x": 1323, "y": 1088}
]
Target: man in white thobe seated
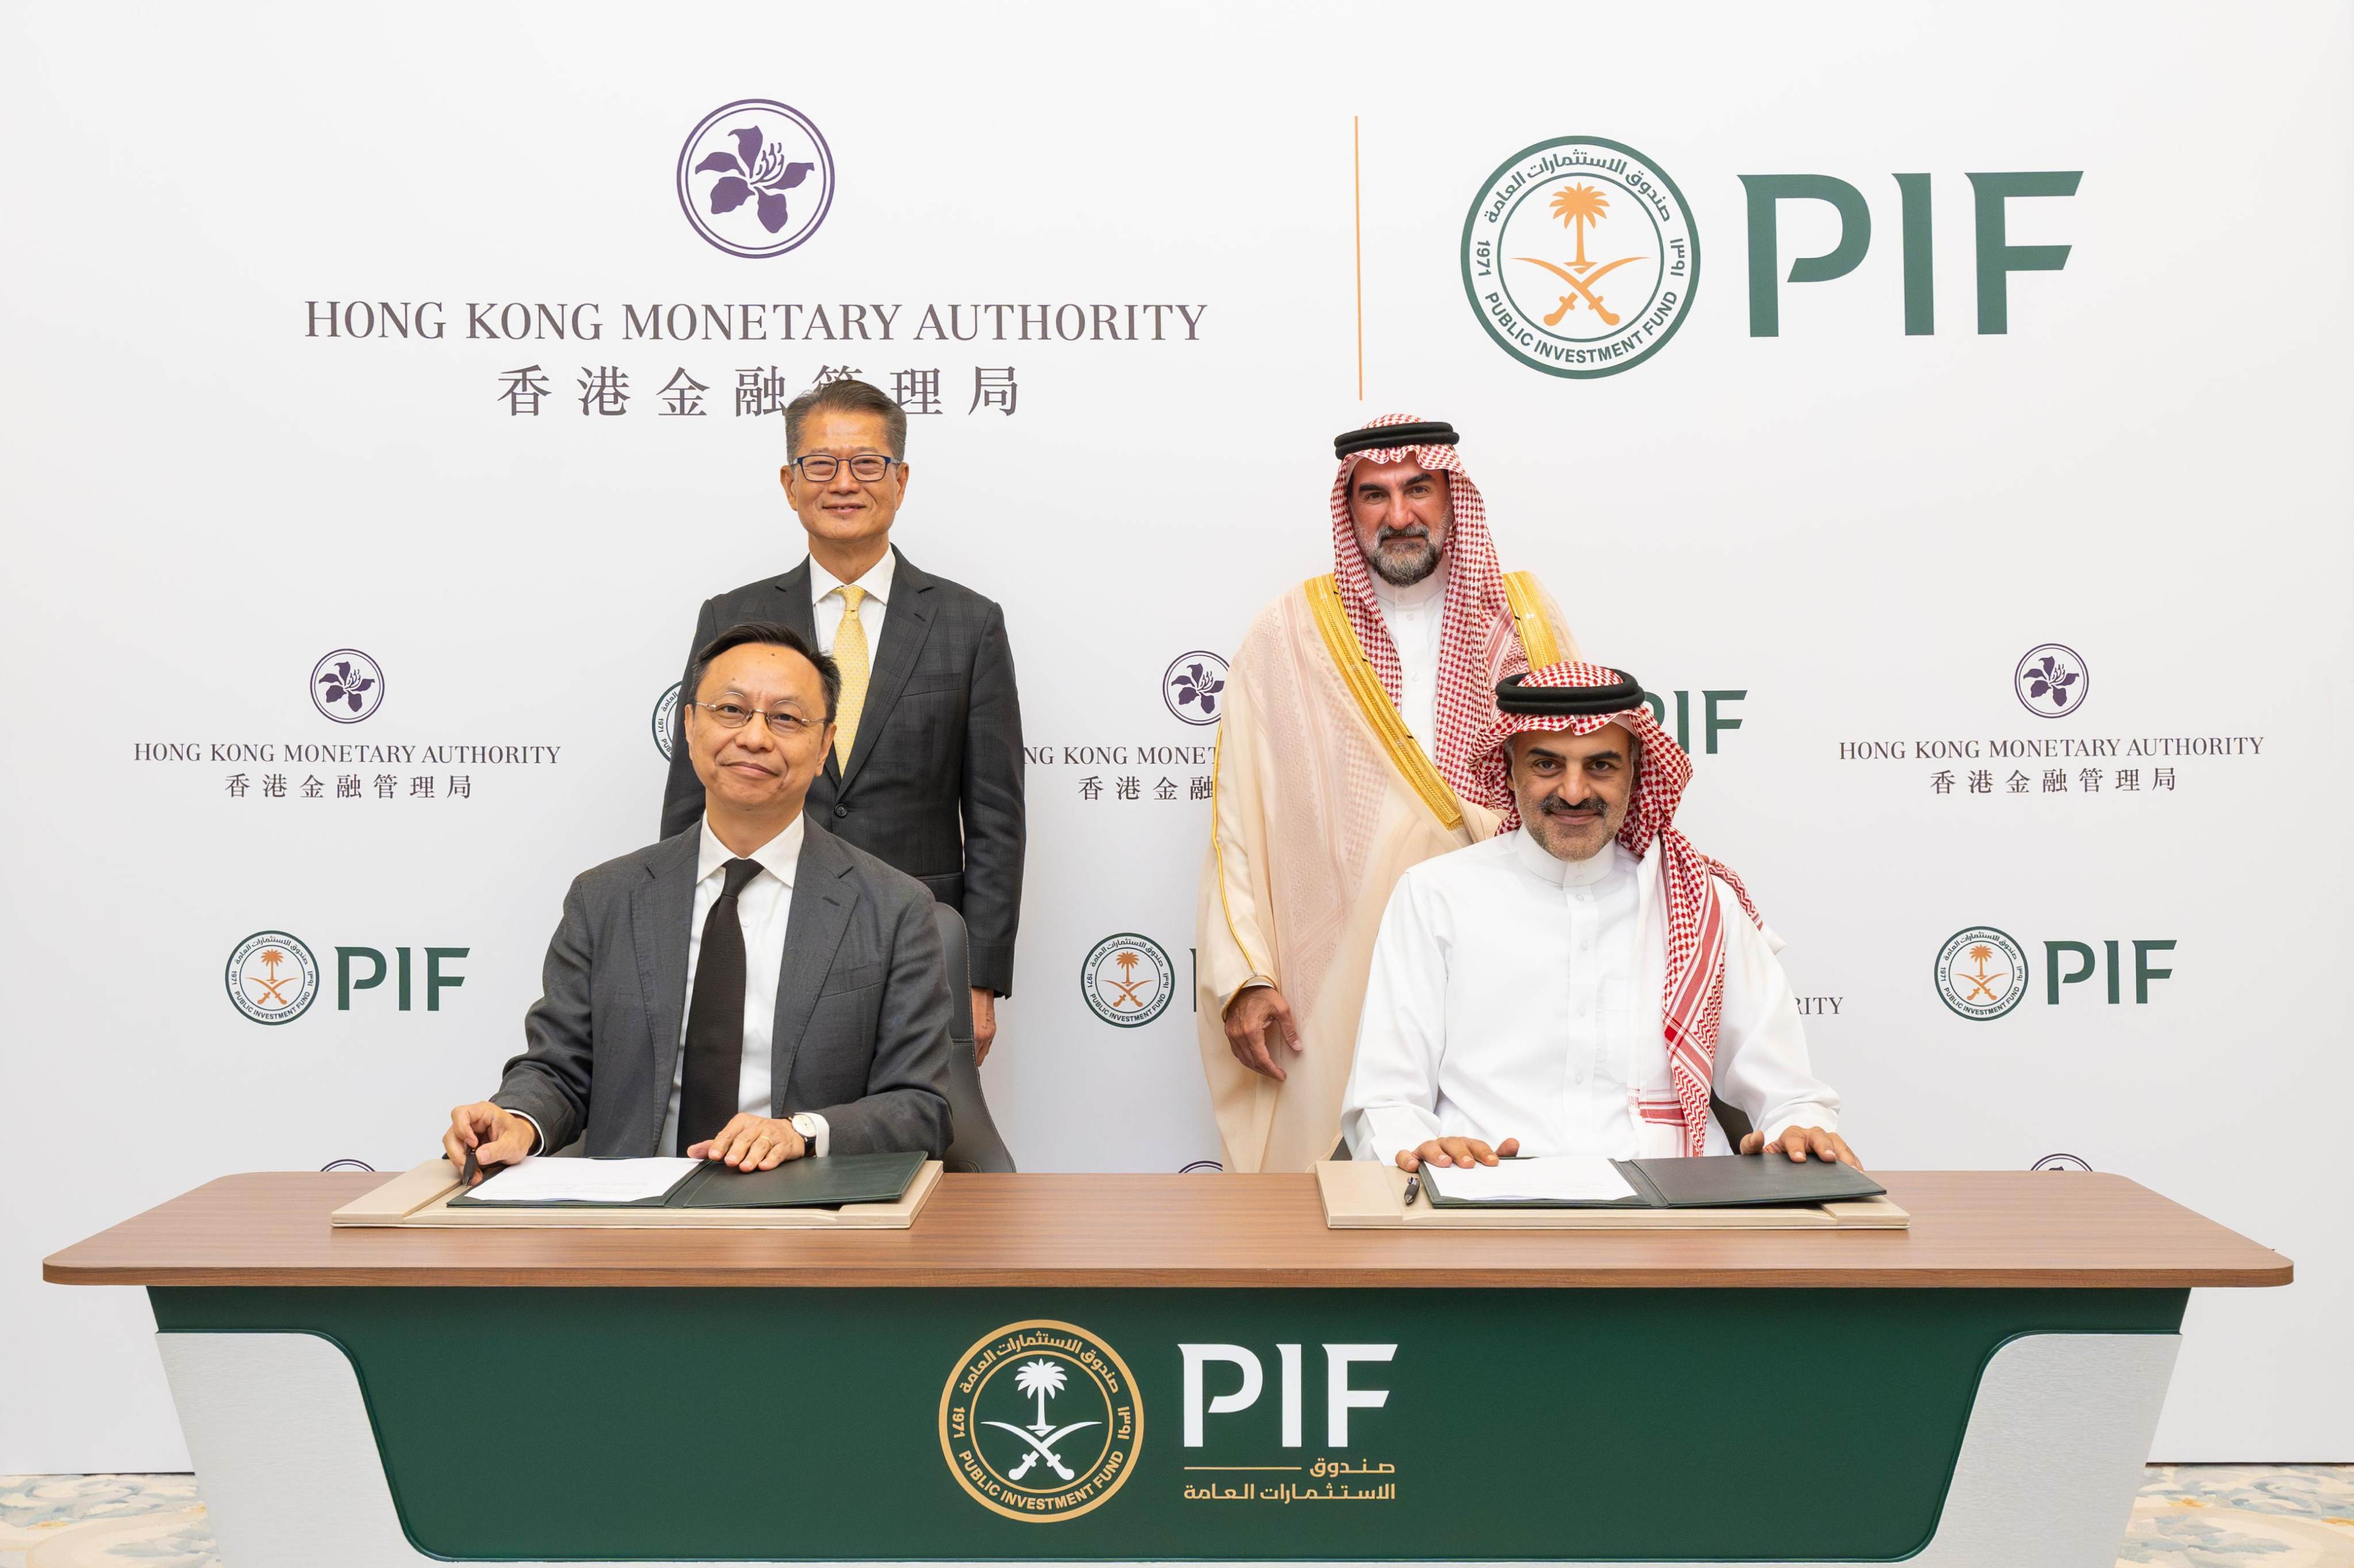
[{"x": 1584, "y": 981}]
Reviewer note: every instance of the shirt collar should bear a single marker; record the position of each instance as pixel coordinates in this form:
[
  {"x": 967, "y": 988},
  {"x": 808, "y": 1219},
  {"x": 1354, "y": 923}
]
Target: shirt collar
[
  {"x": 876, "y": 582},
  {"x": 1429, "y": 589},
  {"x": 778, "y": 857},
  {"x": 1541, "y": 864}
]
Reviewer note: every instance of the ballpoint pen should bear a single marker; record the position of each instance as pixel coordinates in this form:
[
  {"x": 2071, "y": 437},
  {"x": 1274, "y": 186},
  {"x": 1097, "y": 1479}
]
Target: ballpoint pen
[{"x": 1412, "y": 1189}]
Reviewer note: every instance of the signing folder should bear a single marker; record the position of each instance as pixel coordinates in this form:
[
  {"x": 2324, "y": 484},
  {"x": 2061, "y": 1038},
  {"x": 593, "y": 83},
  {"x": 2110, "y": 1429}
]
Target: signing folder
[
  {"x": 1591, "y": 1181},
  {"x": 830, "y": 1180}
]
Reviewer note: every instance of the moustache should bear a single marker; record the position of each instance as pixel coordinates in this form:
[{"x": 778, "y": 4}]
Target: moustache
[
  {"x": 1385, "y": 534},
  {"x": 1555, "y": 806}
]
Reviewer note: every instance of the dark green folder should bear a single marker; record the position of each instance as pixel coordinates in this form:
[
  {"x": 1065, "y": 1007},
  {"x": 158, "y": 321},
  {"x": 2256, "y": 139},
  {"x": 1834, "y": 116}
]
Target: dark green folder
[
  {"x": 827, "y": 1182},
  {"x": 1710, "y": 1182}
]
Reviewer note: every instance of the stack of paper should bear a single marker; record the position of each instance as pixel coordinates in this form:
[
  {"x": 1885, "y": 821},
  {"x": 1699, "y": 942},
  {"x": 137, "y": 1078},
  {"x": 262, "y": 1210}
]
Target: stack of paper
[
  {"x": 1557, "y": 1178},
  {"x": 539, "y": 1181}
]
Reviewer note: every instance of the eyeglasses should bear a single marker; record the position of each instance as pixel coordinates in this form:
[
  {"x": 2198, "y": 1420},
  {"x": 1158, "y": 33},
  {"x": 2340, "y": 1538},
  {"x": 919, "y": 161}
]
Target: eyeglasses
[
  {"x": 819, "y": 468},
  {"x": 733, "y": 715}
]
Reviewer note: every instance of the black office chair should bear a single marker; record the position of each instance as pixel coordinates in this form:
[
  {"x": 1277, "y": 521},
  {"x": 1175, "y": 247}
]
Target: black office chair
[{"x": 974, "y": 1140}]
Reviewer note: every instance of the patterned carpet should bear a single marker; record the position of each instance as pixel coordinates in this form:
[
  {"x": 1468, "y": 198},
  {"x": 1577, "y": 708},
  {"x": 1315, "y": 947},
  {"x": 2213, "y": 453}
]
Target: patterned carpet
[{"x": 2188, "y": 1516}]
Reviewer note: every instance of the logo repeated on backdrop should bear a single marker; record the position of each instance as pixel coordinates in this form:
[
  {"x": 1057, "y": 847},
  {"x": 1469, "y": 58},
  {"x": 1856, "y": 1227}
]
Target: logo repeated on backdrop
[
  {"x": 666, "y": 719},
  {"x": 1192, "y": 686},
  {"x": 1041, "y": 1421},
  {"x": 1128, "y": 980},
  {"x": 1579, "y": 257},
  {"x": 347, "y": 685},
  {"x": 756, "y": 177},
  {"x": 2052, "y": 680},
  {"x": 272, "y": 977},
  {"x": 1981, "y": 972}
]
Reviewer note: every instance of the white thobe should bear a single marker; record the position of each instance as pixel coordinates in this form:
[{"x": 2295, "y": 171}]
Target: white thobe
[
  {"x": 1517, "y": 995},
  {"x": 1412, "y": 617}
]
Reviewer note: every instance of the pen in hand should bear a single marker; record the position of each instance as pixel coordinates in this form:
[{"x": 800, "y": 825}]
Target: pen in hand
[{"x": 472, "y": 1171}]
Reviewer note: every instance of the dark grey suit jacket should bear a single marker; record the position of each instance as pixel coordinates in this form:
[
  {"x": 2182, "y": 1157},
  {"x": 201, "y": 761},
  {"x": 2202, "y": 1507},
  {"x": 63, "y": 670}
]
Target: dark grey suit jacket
[
  {"x": 934, "y": 785},
  {"x": 861, "y": 1024}
]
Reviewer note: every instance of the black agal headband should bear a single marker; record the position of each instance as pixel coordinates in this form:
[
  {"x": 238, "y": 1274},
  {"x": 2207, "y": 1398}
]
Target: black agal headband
[
  {"x": 1568, "y": 702},
  {"x": 1430, "y": 433}
]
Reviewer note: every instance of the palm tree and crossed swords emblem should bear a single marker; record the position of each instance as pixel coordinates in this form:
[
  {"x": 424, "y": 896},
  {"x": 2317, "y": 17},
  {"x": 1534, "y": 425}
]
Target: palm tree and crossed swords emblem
[
  {"x": 1577, "y": 206},
  {"x": 273, "y": 988},
  {"x": 1043, "y": 1379}
]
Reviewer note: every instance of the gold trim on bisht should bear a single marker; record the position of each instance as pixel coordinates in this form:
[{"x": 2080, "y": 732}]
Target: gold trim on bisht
[
  {"x": 1373, "y": 702},
  {"x": 1529, "y": 621}
]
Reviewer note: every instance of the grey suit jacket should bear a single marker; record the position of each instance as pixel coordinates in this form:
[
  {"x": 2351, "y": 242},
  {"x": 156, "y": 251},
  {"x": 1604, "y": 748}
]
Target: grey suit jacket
[
  {"x": 861, "y": 1024},
  {"x": 934, "y": 785}
]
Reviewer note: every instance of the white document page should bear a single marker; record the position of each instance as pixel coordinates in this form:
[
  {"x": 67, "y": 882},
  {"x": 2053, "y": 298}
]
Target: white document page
[
  {"x": 1557, "y": 1177},
  {"x": 545, "y": 1181}
]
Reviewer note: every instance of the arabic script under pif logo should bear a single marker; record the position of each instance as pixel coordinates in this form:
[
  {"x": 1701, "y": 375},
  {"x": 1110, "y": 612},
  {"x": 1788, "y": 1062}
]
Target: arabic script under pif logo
[
  {"x": 1580, "y": 257},
  {"x": 1041, "y": 1421}
]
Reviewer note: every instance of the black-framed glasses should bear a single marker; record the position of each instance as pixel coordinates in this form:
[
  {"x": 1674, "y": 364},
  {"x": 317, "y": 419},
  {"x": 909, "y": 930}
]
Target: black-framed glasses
[
  {"x": 819, "y": 468},
  {"x": 735, "y": 716}
]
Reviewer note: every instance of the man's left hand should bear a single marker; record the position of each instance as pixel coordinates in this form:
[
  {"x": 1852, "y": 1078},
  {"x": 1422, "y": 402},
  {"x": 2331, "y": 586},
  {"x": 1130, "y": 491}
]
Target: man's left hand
[
  {"x": 984, "y": 1022},
  {"x": 751, "y": 1142},
  {"x": 1798, "y": 1142}
]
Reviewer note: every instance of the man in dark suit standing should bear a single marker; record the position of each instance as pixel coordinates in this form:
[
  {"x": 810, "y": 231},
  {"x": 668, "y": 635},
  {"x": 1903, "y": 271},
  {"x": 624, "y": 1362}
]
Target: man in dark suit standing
[
  {"x": 751, "y": 990},
  {"x": 925, "y": 768}
]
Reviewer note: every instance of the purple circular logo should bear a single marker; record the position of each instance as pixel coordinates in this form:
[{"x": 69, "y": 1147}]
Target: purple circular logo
[
  {"x": 1193, "y": 685},
  {"x": 756, "y": 177},
  {"x": 2051, "y": 680},
  {"x": 347, "y": 685}
]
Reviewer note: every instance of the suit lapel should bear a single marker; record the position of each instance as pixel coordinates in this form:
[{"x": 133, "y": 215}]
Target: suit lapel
[
  {"x": 661, "y": 909},
  {"x": 906, "y": 624},
  {"x": 820, "y": 914}
]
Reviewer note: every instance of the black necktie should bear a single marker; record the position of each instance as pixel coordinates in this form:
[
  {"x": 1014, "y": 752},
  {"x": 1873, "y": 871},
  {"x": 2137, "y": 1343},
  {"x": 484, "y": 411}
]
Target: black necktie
[{"x": 715, "y": 1018}]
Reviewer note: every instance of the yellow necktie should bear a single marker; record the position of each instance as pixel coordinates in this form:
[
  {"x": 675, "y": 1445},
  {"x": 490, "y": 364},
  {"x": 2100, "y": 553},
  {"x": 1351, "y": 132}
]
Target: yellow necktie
[{"x": 849, "y": 652}]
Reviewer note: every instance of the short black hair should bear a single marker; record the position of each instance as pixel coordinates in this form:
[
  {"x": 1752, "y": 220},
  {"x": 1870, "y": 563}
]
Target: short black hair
[
  {"x": 775, "y": 635},
  {"x": 851, "y": 397}
]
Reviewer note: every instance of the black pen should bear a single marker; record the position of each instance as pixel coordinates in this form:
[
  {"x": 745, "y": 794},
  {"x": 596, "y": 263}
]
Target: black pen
[
  {"x": 466, "y": 1177},
  {"x": 1412, "y": 1189}
]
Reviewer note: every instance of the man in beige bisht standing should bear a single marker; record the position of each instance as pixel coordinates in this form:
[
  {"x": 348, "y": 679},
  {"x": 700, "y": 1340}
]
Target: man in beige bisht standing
[{"x": 1349, "y": 750}]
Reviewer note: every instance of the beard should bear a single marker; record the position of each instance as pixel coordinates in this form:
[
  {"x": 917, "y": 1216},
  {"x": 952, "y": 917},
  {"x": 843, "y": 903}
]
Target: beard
[
  {"x": 1565, "y": 827},
  {"x": 1408, "y": 567}
]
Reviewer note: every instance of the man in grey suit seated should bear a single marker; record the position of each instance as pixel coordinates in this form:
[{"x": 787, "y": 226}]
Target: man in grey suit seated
[{"x": 751, "y": 990}]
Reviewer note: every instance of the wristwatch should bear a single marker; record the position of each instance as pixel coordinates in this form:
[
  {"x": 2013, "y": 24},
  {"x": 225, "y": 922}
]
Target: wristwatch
[{"x": 806, "y": 1125}]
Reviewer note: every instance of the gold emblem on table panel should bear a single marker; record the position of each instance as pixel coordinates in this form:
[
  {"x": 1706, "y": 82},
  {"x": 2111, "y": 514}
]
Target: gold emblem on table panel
[{"x": 1041, "y": 1421}]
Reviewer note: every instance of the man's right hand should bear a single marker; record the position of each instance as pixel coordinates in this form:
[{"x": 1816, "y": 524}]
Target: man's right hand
[
  {"x": 1252, "y": 1020},
  {"x": 1456, "y": 1151},
  {"x": 497, "y": 1137}
]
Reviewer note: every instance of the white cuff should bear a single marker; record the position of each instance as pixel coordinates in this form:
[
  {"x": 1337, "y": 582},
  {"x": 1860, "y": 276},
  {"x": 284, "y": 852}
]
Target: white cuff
[
  {"x": 1803, "y": 1115},
  {"x": 814, "y": 1129},
  {"x": 538, "y": 1139}
]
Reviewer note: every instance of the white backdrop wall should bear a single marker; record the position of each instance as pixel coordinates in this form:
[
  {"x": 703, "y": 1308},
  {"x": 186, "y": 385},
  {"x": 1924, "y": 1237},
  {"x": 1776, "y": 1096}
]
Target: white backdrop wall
[{"x": 1858, "y": 530}]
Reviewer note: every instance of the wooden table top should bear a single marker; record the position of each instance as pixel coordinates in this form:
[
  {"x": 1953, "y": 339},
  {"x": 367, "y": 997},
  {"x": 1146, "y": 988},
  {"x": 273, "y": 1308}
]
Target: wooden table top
[{"x": 1971, "y": 1228}]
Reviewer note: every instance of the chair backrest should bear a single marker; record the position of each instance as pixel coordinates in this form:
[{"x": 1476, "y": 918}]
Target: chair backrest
[{"x": 974, "y": 1140}]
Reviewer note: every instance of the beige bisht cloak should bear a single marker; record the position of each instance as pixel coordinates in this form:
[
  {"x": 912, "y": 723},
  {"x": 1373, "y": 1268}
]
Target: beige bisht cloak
[{"x": 1323, "y": 799}]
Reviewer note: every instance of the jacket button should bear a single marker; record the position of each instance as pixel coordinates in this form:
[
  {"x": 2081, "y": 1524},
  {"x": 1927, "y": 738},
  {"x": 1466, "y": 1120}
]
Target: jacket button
[{"x": 842, "y": 811}]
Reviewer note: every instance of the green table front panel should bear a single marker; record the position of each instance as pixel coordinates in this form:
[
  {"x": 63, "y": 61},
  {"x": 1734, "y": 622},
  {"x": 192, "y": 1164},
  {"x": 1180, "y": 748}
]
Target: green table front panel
[{"x": 581, "y": 1423}]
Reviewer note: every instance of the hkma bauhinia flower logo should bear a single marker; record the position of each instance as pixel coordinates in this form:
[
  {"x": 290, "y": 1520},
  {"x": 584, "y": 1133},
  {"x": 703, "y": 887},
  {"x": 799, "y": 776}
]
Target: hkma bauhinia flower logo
[
  {"x": 1194, "y": 685},
  {"x": 756, "y": 177},
  {"x": 2052, "y": 680},
  {"x": 346, "y": 685}
]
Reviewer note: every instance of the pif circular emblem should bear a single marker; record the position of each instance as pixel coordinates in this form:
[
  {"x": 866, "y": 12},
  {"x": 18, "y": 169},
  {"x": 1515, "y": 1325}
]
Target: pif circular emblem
[
  {"x": 272, "y": 977},
  {"x": 1128, "y": 980},
  {"x": 1981, "y": 972},
  {"x": 1041, "y": 1421},
  {"x": 1579, "y": 257}
]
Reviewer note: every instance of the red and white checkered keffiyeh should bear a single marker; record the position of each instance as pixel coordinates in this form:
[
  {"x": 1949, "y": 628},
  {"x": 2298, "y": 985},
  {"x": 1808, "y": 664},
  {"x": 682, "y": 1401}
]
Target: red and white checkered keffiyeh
[
  {"x": 1694, "y": 1001},
  {"x": 1475, "y": 602}
]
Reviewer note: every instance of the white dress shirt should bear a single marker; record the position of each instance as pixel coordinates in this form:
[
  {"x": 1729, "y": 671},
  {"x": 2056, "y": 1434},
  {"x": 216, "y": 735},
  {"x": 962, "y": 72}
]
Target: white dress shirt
[
  {"x": 1517, "y": 995},
  {"x": 1412, "y": 617},
  {"x": 763, "y": 909},
  {"x": 825, "y": 601}
]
